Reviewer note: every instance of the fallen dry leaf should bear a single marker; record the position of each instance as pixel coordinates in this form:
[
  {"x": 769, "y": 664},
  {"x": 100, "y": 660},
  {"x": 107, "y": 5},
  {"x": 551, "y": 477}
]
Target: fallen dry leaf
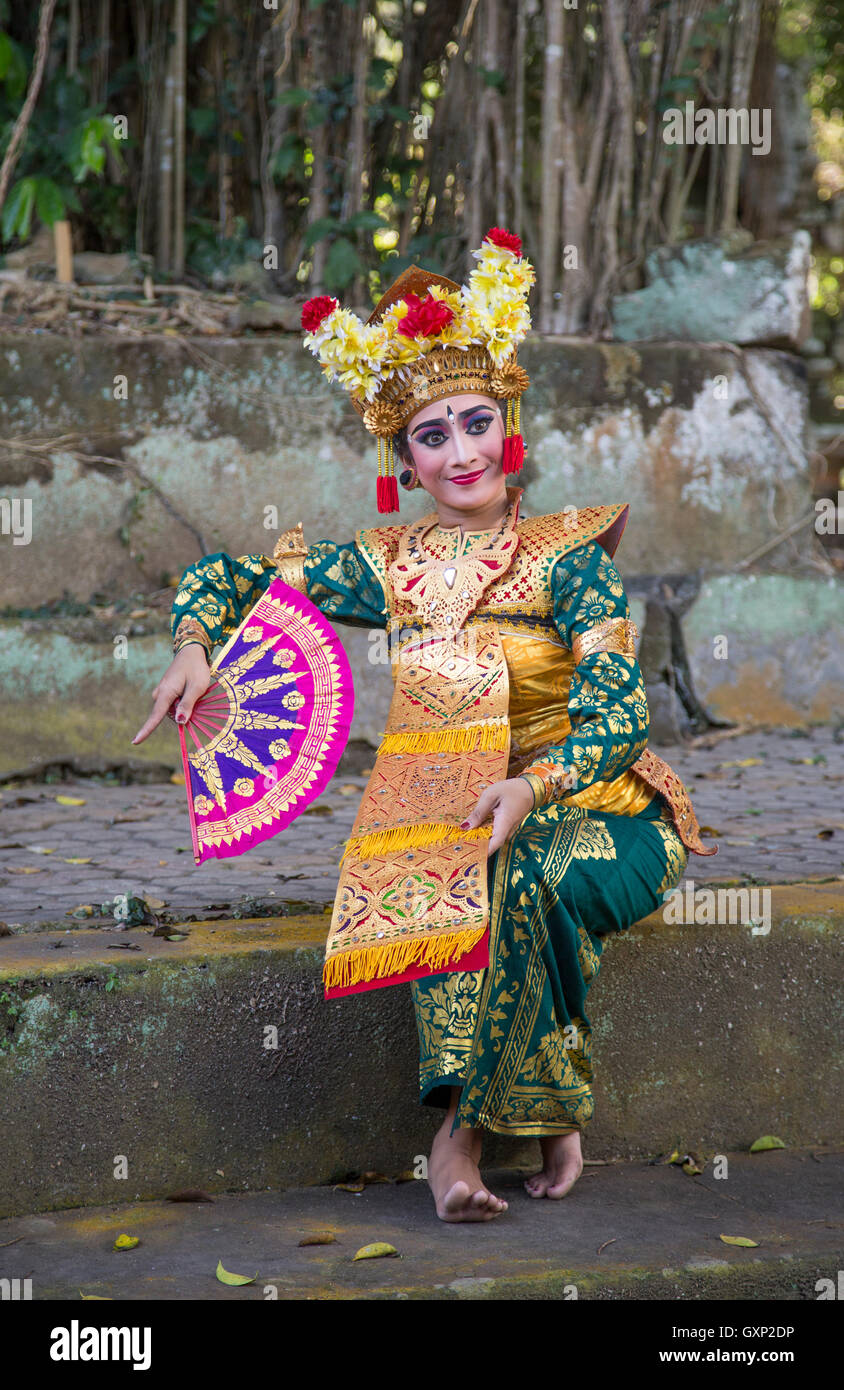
[
  {"x": 325, "y": 1238},
  {"x": 375, "y": 1251},
  {"x": 126, "y": 1242},
  {"x": 71, "y": 800},
  {"x": 226, "y": 1278},
  {"x": 738, "y": 1240},
  {"x": 768, "y": 1141}
]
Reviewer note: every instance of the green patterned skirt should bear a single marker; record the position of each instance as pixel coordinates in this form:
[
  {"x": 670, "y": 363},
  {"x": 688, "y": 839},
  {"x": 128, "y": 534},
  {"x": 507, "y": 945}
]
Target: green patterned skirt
[{"x": 516, "y": 1036}]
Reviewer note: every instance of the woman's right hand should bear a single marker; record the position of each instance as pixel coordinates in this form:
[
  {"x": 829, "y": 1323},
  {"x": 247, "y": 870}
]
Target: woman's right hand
[{"x": 188, "y": 676}]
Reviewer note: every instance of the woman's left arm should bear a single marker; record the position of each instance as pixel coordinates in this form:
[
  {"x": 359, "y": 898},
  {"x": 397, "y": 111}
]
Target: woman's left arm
[{"x": 608, "y": 707}]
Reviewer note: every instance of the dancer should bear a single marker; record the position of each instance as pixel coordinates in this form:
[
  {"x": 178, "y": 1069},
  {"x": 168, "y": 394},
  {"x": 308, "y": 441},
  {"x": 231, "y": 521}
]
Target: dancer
[{"x": 515, "y": 816}]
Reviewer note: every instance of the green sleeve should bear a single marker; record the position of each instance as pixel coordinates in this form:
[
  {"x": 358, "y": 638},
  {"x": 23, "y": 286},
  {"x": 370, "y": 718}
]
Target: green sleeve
[
  {"x": 219, "y": 590},
  {"x": 608, "y": 707}
]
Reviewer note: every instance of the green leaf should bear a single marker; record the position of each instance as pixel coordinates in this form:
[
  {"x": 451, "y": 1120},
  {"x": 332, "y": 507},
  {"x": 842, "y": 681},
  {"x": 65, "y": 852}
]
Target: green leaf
[
  {"x": 289, "y": 157},
  {"x": 768, "y": 1141},
  {"x": 17, "y": 213},
  {"x": 342, "y": 264},
  {"x": 226, "y": 1278},
  {"x": 13, "y": 67},
  {"x": 738, "y": 1240},
  {"x": 493, "y": 78},
  {"x": 49, "y": 203},
  {"x": 318, "y": 229},
  {"x": 202, "y": 120},
  {"x": 363, "y": 221},
  {"x": 294, "y": 96}
]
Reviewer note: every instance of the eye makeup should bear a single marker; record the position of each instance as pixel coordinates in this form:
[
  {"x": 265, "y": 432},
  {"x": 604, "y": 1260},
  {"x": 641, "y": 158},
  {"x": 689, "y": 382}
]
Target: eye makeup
[{"x": 427, "y": 433}]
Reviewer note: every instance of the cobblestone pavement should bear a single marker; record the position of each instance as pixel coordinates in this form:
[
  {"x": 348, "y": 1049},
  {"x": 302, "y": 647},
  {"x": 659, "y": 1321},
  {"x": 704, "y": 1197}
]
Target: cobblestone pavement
[{"x": 775, "y": 799}]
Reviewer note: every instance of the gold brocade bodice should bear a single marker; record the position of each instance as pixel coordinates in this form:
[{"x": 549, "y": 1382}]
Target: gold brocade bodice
[
  {"x": 540, "y": 675},
  {"x": 517, "y": 601}
]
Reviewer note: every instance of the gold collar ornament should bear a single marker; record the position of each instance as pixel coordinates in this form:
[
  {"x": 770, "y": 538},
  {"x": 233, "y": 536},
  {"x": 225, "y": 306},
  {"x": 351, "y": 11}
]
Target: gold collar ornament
[{"x": 445, "y": 590}]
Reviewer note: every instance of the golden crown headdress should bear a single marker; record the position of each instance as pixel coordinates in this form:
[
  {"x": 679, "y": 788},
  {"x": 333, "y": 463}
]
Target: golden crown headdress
[{"x": 429, "y": 337}]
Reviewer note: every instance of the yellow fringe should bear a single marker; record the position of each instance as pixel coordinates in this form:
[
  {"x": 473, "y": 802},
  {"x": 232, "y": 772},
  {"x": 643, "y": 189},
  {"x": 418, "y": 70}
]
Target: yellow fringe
[
  {"x": 486, "y": 737},
  {"x": 375, "y": 962},
  {"x": 400, "y": 837}
]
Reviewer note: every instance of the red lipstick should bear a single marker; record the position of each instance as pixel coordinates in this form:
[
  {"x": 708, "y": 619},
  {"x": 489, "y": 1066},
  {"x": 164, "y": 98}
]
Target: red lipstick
[{"x": 465, "y": 478}]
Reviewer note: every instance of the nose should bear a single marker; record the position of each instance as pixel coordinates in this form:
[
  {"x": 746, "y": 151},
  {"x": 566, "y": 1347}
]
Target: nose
[{"x": 463, "y": 446}]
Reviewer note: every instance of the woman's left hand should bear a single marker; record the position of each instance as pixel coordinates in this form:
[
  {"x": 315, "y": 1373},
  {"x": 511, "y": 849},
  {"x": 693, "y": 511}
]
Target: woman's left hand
[{"x": 508, "y": 803}]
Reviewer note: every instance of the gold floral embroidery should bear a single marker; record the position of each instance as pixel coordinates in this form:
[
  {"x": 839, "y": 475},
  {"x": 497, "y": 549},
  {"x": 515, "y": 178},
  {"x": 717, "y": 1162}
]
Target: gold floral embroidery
[
  {"x": 676, "y": 856},
  {"x": 594, "y": 841}
]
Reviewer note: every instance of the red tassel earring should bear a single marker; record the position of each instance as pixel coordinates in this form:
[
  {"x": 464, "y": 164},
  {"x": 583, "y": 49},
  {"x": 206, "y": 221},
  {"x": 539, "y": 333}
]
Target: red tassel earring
[
  {"x": 386, "y": 487},
  {"x": 514, "y": 445}
]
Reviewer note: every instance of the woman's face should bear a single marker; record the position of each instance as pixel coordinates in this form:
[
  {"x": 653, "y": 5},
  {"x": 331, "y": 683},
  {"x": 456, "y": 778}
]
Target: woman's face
[{"x": 457, "y": 445}]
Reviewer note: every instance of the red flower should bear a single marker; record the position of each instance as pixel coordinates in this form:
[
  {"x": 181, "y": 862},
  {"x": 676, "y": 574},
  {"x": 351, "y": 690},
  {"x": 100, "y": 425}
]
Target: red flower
[
  {"x": 508, "y": 241},
  {"x": 316, "y": 310},
  {"x": 425, "y": 317}
]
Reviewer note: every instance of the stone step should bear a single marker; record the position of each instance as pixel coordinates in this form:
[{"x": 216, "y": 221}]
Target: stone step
[
  {"x": 705, "y": 1038},
  {"x": 626, "y": 1231}
]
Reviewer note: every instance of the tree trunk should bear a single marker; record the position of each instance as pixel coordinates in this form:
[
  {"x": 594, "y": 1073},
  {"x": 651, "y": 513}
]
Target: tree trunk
[{"x": 552, "y": 162}]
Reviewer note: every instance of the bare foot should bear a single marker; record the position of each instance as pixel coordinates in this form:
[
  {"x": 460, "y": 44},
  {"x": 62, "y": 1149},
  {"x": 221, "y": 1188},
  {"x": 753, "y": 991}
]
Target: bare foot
[
  {"x": 562, "y": 1166},
  {"x": 455, "y": 1179}
]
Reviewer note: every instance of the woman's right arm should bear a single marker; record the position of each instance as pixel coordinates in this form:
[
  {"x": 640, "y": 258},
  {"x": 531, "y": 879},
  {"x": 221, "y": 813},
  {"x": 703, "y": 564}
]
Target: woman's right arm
[{"x": 217, "y": 592}]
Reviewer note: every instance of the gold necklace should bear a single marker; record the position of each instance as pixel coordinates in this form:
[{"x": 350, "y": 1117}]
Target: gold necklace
[{"x": 444, "y": 592}]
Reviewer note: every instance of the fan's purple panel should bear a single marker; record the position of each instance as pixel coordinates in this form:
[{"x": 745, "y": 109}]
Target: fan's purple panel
[{"x": 288, "y": 705}]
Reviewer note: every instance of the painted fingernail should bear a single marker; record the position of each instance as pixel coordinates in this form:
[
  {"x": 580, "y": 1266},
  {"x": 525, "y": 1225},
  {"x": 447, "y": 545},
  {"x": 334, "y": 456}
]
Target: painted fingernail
[
  {"x": 464, "y": 825},
  {"x": 180, "y": 719}
]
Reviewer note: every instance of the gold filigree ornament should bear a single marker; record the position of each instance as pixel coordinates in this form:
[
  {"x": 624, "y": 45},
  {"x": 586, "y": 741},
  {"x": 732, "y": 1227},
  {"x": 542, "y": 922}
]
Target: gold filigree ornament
[
  {"x": 382, "y": 419},
  {"x": 509, "y": 381}
]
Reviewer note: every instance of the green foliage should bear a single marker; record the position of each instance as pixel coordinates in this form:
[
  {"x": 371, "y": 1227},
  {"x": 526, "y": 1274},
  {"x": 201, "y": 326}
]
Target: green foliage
[
  {"x": 66, "y": 142},
  {"x": 209, "y": 254},
  {"x": 812, "y": 32}
]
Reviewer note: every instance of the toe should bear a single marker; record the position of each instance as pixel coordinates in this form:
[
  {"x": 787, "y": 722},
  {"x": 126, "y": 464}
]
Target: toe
[
  {"x": 564, "y": 1183},
  {"x": 457, "y": 1198}
]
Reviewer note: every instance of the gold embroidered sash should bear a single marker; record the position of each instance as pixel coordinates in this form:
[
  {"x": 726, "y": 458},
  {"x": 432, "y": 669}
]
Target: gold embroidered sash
[{"x": 413, "y": 893}]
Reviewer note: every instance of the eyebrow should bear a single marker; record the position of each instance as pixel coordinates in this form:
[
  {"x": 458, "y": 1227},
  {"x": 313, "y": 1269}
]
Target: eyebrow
[{"x": 473, "y": 410}]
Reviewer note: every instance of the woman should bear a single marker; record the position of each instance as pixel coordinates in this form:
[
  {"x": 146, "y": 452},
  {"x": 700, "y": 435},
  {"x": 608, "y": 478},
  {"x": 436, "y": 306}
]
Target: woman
[{"x": 516, "y": 675}]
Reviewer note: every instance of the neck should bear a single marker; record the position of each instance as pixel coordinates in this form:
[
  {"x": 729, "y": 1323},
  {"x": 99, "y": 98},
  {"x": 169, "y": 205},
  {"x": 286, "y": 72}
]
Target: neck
[{"x": 483, "y": 518}]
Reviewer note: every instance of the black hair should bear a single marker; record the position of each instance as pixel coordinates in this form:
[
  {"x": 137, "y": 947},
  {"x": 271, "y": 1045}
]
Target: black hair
[{"x": 402, "y": 446}]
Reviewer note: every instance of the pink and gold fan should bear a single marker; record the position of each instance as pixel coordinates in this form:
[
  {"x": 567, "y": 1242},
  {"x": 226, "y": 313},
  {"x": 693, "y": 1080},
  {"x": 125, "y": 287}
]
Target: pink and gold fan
[{"x": 270, "y": 729}]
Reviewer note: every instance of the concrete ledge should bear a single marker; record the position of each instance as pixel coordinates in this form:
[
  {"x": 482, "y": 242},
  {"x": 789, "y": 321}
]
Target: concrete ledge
[
  {"x": 657, "y": 1229},
  {"x": 705, "y": 1036}
]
